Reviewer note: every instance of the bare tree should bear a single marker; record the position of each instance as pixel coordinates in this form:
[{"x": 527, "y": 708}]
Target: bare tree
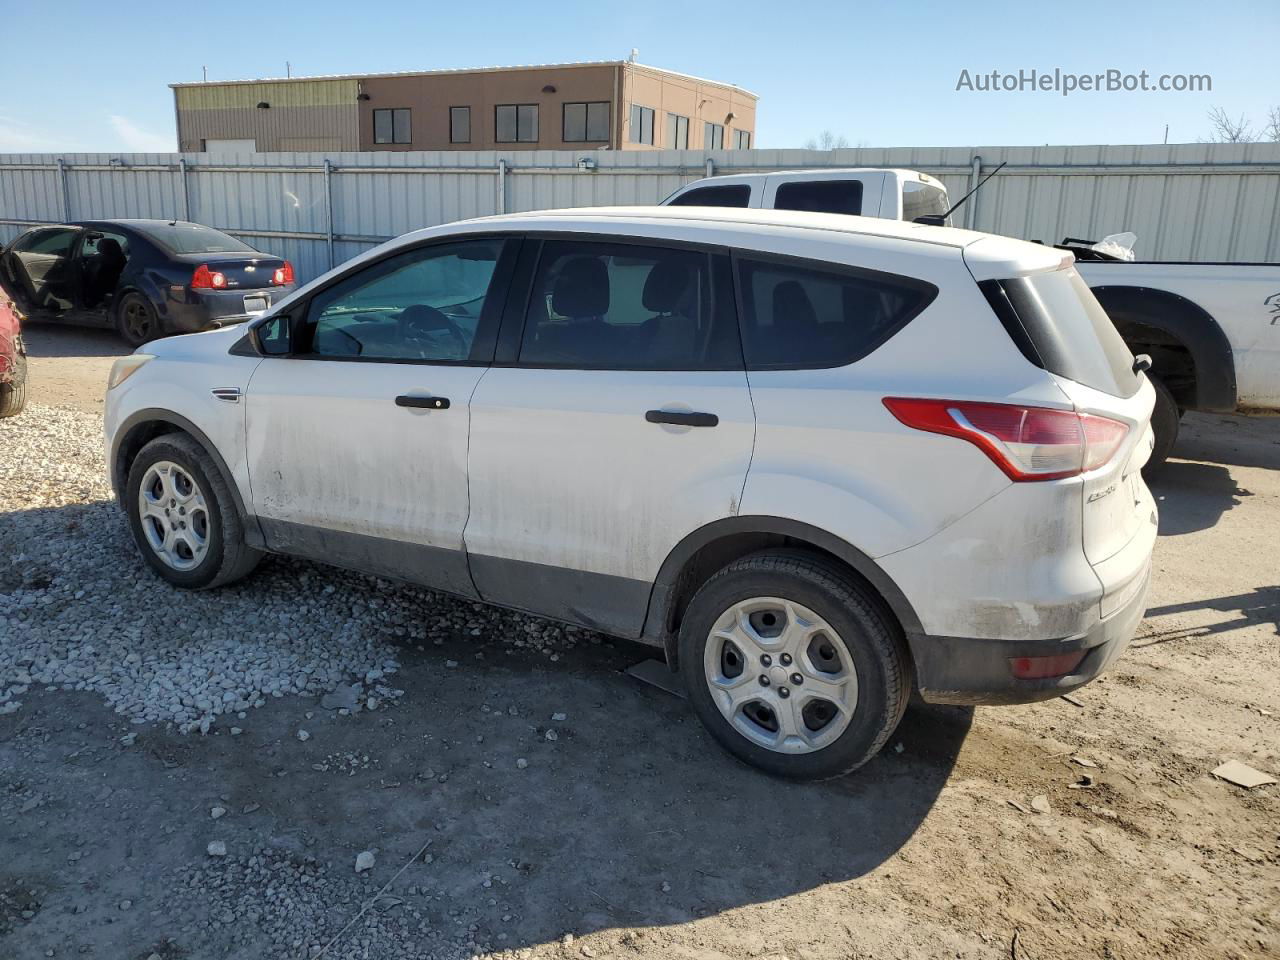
[
  {"x": 826, "y": 141},
  {"x": 1272, "y": 128},
  {"x": 1227, "y": 130}
]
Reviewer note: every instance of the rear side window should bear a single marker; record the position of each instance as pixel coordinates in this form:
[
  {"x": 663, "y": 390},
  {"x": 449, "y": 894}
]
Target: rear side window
[
  {"x": 820, "y": 196},
  {"x": 730, "y": 195},
  {"x": 798, "y": 314},
  {"x": 613, "y": 306},
  {"x": 1058, "y": 324}
]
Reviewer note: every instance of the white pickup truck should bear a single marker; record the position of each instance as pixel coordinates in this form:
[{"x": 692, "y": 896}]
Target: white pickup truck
[{"x": 1212, "y": 330}]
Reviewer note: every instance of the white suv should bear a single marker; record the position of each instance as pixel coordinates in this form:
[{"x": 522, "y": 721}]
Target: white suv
[{"x": 812, "y": 456}]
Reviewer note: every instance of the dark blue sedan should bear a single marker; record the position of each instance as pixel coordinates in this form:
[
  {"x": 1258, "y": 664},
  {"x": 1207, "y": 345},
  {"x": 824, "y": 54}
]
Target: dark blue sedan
[{"x": 145, "y": 278}]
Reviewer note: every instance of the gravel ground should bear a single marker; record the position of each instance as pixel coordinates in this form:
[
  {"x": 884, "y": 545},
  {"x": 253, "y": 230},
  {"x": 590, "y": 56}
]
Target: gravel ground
[{"x": 520, "y": 796}]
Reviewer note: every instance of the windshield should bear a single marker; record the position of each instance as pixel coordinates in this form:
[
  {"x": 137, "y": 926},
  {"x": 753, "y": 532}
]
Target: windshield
[{"x": 194, "y": 238}]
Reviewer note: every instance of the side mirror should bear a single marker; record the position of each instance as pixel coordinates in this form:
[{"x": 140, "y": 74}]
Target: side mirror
[{"x": 272, "y": 336}]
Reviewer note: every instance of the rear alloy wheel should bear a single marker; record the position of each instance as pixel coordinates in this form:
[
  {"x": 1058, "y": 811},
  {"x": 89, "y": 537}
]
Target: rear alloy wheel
[
  {"x": 136, "y": 320},
  {"x": 793, "y": 666}
]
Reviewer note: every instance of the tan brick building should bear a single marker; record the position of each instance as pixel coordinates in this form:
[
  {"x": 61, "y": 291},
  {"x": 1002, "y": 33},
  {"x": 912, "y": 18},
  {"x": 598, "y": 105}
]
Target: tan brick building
[{"x": 619, "y": 105}]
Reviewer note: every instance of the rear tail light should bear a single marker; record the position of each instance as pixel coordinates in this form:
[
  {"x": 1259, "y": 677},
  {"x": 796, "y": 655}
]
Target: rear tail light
[
  {"x": 283, "y": 275},
  {"x": 206, "y": 279},
  {"x": 1027, "y": 443}
]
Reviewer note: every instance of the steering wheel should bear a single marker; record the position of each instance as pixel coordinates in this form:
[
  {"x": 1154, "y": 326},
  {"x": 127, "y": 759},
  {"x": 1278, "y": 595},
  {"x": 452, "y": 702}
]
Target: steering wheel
[{"x": 419, "y": 321}]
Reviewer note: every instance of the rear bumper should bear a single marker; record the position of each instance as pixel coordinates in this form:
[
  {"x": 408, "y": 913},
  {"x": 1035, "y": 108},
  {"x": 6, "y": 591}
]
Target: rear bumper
[
  {"x": 964, "y": 670},
  {"x": 196, "y": 310}
]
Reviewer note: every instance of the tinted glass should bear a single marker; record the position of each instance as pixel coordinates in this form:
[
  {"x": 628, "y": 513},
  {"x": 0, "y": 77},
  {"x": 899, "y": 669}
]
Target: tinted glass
[
  {"x": 626, "y": 307},
  {"x": 677, "y": 132},
  {"x": 641, "y": 124},
  {"x": 54, "y": 242},
  {"x": 400, "y": 129},
  {"x": 923, "y": 199},
  {"x": 598, "y": 120},
  {"x": 742, "y": 139},
  {"x": 713, "y": 136},
  {"x": 382, "y": 126},
  {"x": 575, "y": 122},
  {"x": 505, "y": 124},
  {"x": 1059, "y": 325},
  {"x": 813, "y": 316},
  {"x": 459, "y": 124},
  {"x": 193, "y": 238},
  {"x": 527, "y": 122},
  {"x": 93, "y": 244},
  {"x": 421, "y": 305},
  {"x": 730, "y": 195},
  {"x": 820, "y": 196}
]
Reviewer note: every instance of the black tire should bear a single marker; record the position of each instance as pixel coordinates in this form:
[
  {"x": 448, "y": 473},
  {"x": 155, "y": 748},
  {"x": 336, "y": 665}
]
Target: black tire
[
  {"x": 874, "y": 641},
  {"x": 136, "y": 320},
  {"x": 13, "y": 395},
  {"x": 1164, "y": 424},
  {"x": 228, "y": 558}
]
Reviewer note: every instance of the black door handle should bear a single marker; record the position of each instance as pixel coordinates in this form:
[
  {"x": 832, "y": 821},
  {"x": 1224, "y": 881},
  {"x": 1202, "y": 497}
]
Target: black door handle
[
  {"x": 682, "y": 419},
  {"x": 427, "y": 403}
]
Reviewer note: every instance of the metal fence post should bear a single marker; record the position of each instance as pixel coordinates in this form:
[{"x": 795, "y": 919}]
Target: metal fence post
[
  {"x": 182, "y": 183},
  {"x": 66, "y": 195},
  {"x": 328, "y": 209},
  {"x": 502, "y": 186}
]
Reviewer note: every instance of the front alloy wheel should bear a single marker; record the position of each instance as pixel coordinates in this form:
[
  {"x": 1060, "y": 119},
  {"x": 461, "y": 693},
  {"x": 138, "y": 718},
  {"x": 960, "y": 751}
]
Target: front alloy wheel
[{"x": 174, "y": 515}]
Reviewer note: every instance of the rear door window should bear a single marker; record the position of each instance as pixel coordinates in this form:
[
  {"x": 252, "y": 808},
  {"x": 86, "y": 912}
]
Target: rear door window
[
  {"x": 820, "y": 196},
  {"x": 1058, "y": 324},
  {"x": 800, "y": 314},
  {"x": 729, "y": 195},
  {"x": 623, "y": 306}
]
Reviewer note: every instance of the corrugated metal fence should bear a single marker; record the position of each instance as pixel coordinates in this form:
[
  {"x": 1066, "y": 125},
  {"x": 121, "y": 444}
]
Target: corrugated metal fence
[{"x": 1185, "y": 202}]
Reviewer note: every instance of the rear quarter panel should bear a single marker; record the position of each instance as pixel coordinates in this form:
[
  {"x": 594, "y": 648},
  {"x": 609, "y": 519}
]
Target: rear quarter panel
[{"x": 1243, "y": 298}]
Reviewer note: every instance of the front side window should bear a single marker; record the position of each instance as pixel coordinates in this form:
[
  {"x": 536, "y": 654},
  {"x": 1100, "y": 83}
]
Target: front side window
[
  {"x": 422, "y": 305},
  {"x": 54, "y": 242},
  {"x": 677, "y": 132},
  {"x": 641, "y": 124},
  {"x": 801, "y": 315},
  {"x": 820, "y": 196},
  {"x": 742, "y": 139},
  {"x": 586, "y": 122},
  {"x": 713, "y": 136},
  {"x": 392, "y": 126},
  {"x": 516, "y": 123},
  {"x": 729, "y": 195},
  {"x": 459, "y": 124},
  {"x": 607, "y": 306}
]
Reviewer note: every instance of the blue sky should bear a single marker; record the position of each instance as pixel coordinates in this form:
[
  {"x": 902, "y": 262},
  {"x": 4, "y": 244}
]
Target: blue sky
[{"x": 94, "y": 76}]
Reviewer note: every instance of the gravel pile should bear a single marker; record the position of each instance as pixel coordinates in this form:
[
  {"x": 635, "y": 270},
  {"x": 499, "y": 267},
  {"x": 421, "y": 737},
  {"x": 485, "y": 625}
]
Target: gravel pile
[{"x": 79, "y": 610}]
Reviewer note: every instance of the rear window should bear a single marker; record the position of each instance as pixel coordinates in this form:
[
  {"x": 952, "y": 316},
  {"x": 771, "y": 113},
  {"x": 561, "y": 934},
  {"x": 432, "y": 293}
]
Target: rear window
[
  {"x": 1058, "y": 324},
  {"x": 798, "y": 314},
  {"x": 729, "y": 195},
  {"x": 820, "y": 196},
  {"x": 193, "y": 238}
]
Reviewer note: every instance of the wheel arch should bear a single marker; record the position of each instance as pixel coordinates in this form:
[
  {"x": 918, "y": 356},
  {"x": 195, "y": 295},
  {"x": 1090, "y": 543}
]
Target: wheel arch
[
  {"x": 700, "y": 554},
  {"x": 1189, "y": 350},
  {"x": 142, "y": 427}
]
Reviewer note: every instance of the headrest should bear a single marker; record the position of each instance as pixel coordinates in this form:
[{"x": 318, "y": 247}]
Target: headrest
[
  {"x": 109, "y": 247},
  {"x": 424, "y": 317},
  {"x": 582, "y": 289},
  {"x": 667, "y": 285}
]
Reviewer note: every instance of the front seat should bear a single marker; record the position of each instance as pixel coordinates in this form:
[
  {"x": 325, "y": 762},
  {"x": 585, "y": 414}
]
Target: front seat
[
  {"x": 104, "y": 271},
  {"x": 580, "y": 294}
]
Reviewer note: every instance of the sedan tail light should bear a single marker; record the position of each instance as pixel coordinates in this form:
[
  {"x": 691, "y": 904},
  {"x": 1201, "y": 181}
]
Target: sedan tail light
[
  {"x": 1027, "y": 443},
  {"x": 206, "y": 279},
  {"x": 283, "y": 275}
]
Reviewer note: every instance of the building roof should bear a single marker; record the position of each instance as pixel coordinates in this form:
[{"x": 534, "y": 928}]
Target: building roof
[{"x": 457, "y": 70}]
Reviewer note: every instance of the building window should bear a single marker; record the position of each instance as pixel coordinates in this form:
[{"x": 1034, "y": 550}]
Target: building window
[
  {"x": 742, "y": 139},
  {"x": 677, "y": 132},
  {"x": 459, "y": 124},
  {"x": 392, "y": 126},
  {"x": 586, "y": 122},
  {"x": 516, "y": 123},
  {"x": 641, "y": 124},
  {"x": 713, "y": 136}
]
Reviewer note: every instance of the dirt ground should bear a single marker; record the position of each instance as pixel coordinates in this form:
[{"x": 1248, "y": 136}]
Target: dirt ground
[{"x": 632, "y": 835}]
